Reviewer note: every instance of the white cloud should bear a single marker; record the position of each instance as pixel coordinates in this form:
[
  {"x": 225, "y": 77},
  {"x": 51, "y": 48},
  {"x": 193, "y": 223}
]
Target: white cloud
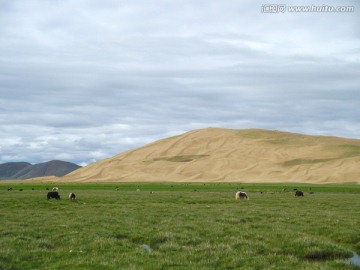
[{"x": 84, "y": 80}]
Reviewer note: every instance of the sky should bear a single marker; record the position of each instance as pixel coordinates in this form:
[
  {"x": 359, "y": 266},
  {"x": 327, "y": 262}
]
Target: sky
[{"x": 84, "y": 80}]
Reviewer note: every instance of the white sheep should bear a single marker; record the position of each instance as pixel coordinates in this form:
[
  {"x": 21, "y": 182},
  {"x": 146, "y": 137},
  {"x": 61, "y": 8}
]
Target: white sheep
[{"x": 241, "y": 195}]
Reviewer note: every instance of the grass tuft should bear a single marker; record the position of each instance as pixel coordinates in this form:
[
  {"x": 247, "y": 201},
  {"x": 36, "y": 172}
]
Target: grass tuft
[
  {"x": 120, "y": 236},
  {"x": 300, "y": 161},
  {"x": 185, "y": 158},
  {"x": 45, "y": 245},
  {"x": 318, "y": 254}
]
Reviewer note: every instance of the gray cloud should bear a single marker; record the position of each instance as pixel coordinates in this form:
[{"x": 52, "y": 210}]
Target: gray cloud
[{"x": 84, "y": 80}]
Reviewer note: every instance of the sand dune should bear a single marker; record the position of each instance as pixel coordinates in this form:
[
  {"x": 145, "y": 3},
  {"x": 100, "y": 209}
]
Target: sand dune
[{"x": 232, "y": 155}]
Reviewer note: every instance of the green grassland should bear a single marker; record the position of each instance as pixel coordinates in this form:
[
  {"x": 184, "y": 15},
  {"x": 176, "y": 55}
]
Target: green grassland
[{"x": 186, "y": 226}]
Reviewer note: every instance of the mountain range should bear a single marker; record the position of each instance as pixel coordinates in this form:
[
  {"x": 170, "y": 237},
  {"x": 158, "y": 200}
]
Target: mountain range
[
  {"x": 214, "y": 154},
  {"x": 24, "y": 170}
]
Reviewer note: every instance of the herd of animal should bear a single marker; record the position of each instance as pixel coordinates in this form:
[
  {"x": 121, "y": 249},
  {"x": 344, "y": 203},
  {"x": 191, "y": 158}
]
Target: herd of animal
[
  {"x": 239, "y": 195},
  {"x": 55, "y": 195}
]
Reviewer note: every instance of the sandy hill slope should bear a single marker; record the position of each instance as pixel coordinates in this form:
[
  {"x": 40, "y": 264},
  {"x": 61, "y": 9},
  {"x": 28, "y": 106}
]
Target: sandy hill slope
[{"x": 214, "y": 154}]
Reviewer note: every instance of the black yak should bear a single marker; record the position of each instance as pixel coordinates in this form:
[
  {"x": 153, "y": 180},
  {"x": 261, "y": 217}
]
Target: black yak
[{"x": 53, "y": 194}]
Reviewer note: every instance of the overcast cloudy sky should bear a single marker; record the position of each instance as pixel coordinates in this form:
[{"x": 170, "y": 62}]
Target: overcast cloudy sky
[{"x": 83, "y": 80}]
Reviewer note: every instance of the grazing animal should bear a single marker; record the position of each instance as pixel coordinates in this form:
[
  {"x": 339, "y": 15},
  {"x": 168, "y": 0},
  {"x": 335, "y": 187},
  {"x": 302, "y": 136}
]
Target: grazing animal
[
  {"x": 55, "y": 189},
  {"x": 241, "y": 195},
  {"x": 53, "y": 194},
  {"x": 10, "y": 189},
  {"x": 72, "y": 196},
  {"x": 299, "y": 193}
]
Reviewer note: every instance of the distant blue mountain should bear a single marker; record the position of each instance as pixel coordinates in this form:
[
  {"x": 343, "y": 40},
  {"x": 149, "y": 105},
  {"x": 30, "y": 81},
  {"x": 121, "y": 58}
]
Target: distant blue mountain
[{"x": 25, "y": 170}]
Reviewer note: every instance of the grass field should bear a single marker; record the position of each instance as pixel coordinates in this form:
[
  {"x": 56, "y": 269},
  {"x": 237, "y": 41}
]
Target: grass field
[{"x": 179, "y": 226}]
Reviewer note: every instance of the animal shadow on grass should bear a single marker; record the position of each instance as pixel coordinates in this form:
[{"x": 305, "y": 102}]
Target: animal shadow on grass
[{"x": 153, "y": 242}]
